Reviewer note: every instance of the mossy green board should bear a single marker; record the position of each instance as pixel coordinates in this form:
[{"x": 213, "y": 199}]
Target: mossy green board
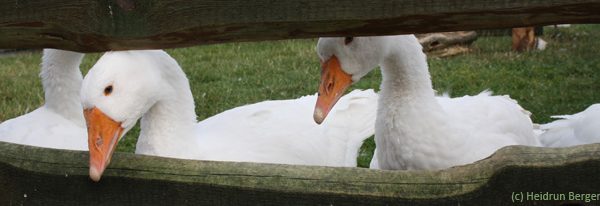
[
  {"x": 101, "y": 25},
  {"x": 38, "y": 176}
]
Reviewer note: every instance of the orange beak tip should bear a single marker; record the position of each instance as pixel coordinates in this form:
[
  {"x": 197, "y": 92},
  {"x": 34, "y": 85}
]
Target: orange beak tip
[
  {"x": 103, "y": 136},
  {"x": 318, "y": 115},
  {"x": 334, "y": 81},
  {"x": 95, "y": 174}
]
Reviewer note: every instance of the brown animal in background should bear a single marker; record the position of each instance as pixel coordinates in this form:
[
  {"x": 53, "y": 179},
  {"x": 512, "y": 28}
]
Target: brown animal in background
[{"x": 523, "y": 39}]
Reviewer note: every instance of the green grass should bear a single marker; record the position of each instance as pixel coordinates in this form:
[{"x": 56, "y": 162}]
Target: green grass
[{"x": 562, "y": 79}]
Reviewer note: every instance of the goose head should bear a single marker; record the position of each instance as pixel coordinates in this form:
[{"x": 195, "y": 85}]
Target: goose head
[
  {"x": 115, "y": 93},
  {"x": 345, "y": 60}
]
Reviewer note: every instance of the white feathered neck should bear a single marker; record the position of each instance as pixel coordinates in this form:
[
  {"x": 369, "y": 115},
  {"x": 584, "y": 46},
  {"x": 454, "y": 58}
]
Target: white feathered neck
[
  {"x": 61, "y": 79},
  {"x": 168, "y": 128},
  {"x": 409, "y": 111}
]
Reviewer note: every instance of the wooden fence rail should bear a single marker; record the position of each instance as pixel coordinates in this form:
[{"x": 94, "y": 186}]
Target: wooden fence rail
[
  {"x": 103, "y": 25},
  {"x": 37, "y": 176}
]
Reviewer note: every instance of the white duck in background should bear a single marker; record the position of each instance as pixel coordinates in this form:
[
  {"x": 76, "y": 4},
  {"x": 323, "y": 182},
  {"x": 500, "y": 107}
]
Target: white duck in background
[
  {"x": 125, "y": 86},
  {"x": 414, "y": 130},
  {"x": 571, "y": 130},
  {"x": 59, "y": 123}
]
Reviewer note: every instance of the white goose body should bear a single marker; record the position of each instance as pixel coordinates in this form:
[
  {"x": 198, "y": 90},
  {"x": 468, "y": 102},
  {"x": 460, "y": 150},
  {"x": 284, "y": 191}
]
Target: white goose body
[
  {"x": 59, "y": 122},
  {"x": 570, "y": 130},
  {"x": 414, "y": 129},
  {"x": 150, "y": 85},
  {"x": 277, "y": 131}
]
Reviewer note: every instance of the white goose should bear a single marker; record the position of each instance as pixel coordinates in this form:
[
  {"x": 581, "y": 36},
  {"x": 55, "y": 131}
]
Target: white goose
[
  {"x": 59, "y": 122},
  {"x": 571, "y": 130},
  {"x": 125, "y": 86},
  {"x": 414, "y": 130}
]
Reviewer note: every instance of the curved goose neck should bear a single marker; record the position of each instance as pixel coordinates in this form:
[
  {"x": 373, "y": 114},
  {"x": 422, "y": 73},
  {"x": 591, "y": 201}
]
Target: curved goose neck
[
  {"x": 167, "y": 129},
  {"x": 407, "y": 109},
  {"x": 405, "y": 71},
  {"x": 61, "y": 79}
]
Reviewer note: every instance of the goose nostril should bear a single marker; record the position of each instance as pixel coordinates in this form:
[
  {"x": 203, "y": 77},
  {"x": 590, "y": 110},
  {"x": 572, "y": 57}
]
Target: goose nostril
[
  {"x": 329, "y": 87},
  {"x": 99, "y": 141}
]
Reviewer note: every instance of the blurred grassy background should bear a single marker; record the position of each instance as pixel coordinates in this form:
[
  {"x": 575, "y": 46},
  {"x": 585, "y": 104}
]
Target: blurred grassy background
[{"x": 562, "y": 79}]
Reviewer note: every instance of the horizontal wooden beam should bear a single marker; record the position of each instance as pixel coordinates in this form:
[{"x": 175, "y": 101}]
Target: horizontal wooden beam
[
  {"x": 99, "y": 25},
  {"x": 37, "y": 176}
]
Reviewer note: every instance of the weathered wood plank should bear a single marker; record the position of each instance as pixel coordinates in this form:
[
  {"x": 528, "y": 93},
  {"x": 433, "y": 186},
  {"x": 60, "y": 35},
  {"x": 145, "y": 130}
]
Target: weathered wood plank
[
  {"x": 36, "y": 176},
  {"x": 134, "y": 24}
]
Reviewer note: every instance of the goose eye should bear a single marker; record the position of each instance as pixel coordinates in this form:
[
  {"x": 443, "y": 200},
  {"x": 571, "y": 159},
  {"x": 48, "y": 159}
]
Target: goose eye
[
  {"x": 347, "y": 40},
  {"x": 108, "y": 90}
]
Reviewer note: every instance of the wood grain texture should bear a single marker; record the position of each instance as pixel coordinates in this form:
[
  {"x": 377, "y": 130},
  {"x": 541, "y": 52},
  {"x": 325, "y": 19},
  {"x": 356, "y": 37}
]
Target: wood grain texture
[
  {"x": 37, "y": 176},
  {"x": 442, "y": 40},
  {"x": 97, "y": 25}
]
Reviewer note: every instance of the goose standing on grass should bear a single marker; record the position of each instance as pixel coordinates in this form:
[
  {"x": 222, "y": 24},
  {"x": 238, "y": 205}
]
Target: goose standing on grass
[
  {"x": 125, "y": 86},
  {"x": 571, "y": 130},
  {"x": 59, "y": 122},
  {"x": 414, "y": 130}
]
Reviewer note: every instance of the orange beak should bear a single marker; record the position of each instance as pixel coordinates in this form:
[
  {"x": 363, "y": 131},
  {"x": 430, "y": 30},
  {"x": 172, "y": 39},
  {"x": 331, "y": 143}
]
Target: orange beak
[
  {"x": 334, "y": 81},
  {"x": 103, "y": 135}
]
